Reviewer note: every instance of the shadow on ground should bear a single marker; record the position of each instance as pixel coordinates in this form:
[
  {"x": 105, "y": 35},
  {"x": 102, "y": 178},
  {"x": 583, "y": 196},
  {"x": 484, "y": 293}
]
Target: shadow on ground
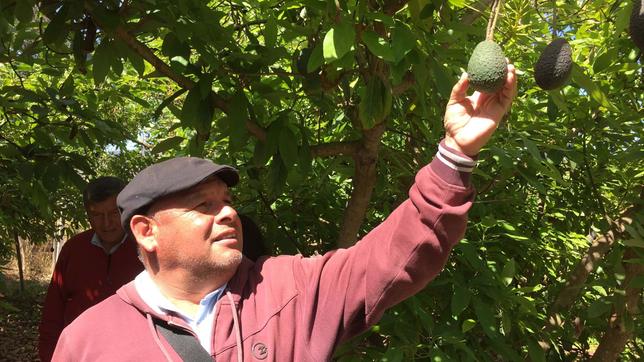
[{"x": 19, "y": 318}]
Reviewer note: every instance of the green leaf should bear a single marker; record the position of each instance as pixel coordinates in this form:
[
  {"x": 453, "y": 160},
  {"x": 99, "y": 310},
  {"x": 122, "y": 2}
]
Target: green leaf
[
  {"x": 460, "y": 300},
  {"x": 79, "y": 53},
  {"x": 378, "y": 46},
  {"x": 532, "y": 149},
  {"x": 598, "y": 308},
  {"x": 536, "y": 352},
  {"x": 552, "y": 109},
  {"x": 270, "y": 32},
  {"x": 485, "y": 315},
  {"x": 260, "y": 154},
  {"x": 67, "y": 88},
  {"x": 24, "y": 10},
  {"x": 338, "y": 41},
  {"x": 55, "y": 30},
  {"x": 39, "y": 195},
  {"x": 595, "y": 92},
  {"x": 375, "y": 102},
  {"x": 636, "y": 231},
  {"x": 636, "y": 283},
  {"x": 101, "y": 61},
  {"x": 71, "y": 175},
  {"x": 237, "y": 117},
  {"x": 604, "y": 60},
  {"x": 442, "y": 79},
  {"x": 506, "y": 323},
  {"x": 508, "y": 272},
  {"x": 277, "y": 177},
  {"x": 137, "y": 62},
  {"x": 457, "y": 3},
  {"x": 167, "y": 144},
  {"x": 467, "y": 325},
  {"x": 599, "y": 289},
  {"x": 623, "y": 17},
  {"x": 288, "y": 147},
  {"x": 109, "y": 19},
  {"x": 558, "y": 99},
  {"x": 172, "y": 47},
  {"x": 316, "y": 59},
  {"x": 403, "y": 40},
  {"x": 196, "y": 112}
]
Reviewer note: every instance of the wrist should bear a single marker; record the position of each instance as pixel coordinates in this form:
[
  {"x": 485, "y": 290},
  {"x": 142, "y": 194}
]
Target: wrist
[{"x": 451, "y": 143}]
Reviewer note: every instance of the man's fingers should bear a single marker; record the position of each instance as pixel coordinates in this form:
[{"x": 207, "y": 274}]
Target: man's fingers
[
  {"x": 510, "y": 89},
  {"x": 459, "y": 91}
]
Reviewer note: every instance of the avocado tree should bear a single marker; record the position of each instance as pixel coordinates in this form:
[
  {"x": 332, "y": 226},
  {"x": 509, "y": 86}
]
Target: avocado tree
[{"x": 346, "y": 98}]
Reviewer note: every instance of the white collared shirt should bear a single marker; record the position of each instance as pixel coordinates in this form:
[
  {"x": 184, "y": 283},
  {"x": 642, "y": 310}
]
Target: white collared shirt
[
  {"x": 97, "y": 241},
  {"x": 202, "y": 324}
]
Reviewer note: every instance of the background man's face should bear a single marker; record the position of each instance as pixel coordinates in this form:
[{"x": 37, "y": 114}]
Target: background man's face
[
  {"x": 105, "y": 219},
  {"x": 199, "y": 231}
]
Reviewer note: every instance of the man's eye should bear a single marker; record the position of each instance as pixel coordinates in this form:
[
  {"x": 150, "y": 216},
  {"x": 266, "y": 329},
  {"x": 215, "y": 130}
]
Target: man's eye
[{"x": 203, "y": 205}]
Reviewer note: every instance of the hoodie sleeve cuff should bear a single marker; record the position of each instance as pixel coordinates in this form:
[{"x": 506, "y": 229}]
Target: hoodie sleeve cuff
[{"x": 453, "y": 166}]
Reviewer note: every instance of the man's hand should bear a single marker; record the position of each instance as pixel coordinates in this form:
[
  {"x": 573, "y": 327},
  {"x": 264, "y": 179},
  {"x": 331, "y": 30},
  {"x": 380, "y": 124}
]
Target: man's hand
[{"x": 471, "y": 121}]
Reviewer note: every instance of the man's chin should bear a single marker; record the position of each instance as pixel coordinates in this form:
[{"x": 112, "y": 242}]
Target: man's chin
[{"x": 111, "y": 238}]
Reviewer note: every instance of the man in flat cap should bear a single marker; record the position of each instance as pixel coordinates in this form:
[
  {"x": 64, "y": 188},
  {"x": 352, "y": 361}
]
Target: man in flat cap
[
  {"x": 199, "y": 300},
  {"x": 91, "y": 266}
]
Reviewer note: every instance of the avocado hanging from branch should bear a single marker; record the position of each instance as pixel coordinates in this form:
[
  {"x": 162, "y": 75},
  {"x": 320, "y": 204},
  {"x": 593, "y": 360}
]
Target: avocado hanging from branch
[{"x": 487, "y": 67}]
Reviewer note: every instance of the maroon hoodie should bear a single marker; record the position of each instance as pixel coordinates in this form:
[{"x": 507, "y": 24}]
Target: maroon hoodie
[{"x": 292, "y": 308}]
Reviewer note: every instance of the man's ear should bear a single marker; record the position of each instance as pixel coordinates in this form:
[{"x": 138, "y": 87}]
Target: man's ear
[{"x": 144, "y": 230}]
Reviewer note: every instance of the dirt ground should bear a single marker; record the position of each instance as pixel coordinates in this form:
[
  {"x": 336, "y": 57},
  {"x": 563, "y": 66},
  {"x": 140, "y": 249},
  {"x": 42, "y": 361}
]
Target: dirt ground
[
  {"x": 20, "y": 310},
  {"x": 19, "y": 317}
]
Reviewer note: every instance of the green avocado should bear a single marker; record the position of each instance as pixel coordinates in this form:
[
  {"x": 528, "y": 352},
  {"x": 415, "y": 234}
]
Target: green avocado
[
  {"x": 487, "y": 68},
  {"x": 552, "y": 70},
  {"x": 636, "y": 26}
]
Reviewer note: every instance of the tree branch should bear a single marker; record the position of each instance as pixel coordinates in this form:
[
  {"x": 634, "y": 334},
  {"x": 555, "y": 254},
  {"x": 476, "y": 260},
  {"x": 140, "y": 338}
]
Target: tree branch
[
  {"x": 146, "y": 53},
  {"x": 576, "y": 280},
  {"x": 364, "y": 181},
  {"x": 408, "y": 81},
  {"x": 335, "y": 149},
  {"x": 476, "y": 12},
  {"x": 600, "y": 246},
  {"x": 393, "y": 6},
  {"x": 617, "y": 334}
]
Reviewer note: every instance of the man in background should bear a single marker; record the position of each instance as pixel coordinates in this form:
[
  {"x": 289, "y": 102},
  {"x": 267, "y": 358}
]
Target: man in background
[{"x": 91, "y": 266}]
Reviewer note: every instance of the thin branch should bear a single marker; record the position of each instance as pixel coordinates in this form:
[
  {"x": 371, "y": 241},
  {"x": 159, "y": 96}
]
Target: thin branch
[
  {"x": 591, "y": 179},
  {"x": 13, "y": 66},
  {"x": 476, "y": 12},
  {"x": 248, "y": 24},
  {"x": 536, "y": 9},
  {"x": 166, "y": 102},
  {"x": 184, "y": 82},
  {"x": 554, "y": 19},
  {"x": 496, "y": 10},
  {"x": 290, "y": 237},
  {"x": 392, "y": 7}
]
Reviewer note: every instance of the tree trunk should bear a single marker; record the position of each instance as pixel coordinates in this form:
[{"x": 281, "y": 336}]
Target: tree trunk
[
  {"x": 16, "y": 240},
  {"x": 618, "y": 333},
  {"x": 600, "y": 246},
  {"x": 364, "y": 180},
  {"x": 596, "y": 252}
]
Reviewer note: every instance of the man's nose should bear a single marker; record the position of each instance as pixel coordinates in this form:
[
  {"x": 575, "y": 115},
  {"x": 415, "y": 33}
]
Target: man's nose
[
  {"x": 108, "y": 220},
  {"x": 226, "y": 215}
]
